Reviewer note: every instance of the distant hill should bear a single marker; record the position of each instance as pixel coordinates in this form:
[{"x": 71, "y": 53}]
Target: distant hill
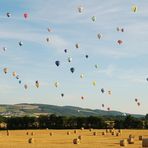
[{"x": 44, "y": 109}]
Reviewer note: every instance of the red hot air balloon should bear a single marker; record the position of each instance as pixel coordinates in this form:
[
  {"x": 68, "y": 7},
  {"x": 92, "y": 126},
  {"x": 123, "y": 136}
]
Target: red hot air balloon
[
  {"x": 25, "y": 15},
  {"x": 119, "y": 42}
]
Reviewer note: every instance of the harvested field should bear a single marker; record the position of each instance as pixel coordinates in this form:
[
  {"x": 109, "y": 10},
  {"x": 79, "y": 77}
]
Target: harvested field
[{"x": 42, "y": 139}]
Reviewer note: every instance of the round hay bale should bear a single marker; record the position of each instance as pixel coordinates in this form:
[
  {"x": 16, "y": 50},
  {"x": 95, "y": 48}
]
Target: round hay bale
[
  {"x": 68, "y": 133},
  {"x": 95, "y": 133},
  {"x": 76, "y": 141},
  {"x": 123, "y": 142},
  {"x": 131, "y": 136},
  {"x": 131, "y": 141},
  {"x": 82, "y": 128},
  {"x": 90, "y": 129},
  {"x": 120, "y": 131},
  {"x": 80, "y": 137},
  {"x": 107, "y": 130},
  {"x": 75, "y": 131},
  {"x": 140, "y": 138},
  {"x": 50, "y": 133},
  {"x": 27, "y": 133},
  {"x": 117, "y": 134},
  {"x": 145, "y": 142},
  {"x": 32, "y": 133},
  {"x": 30, "y": 140},
  {"x": 103, "y": 133},
  {"x": 113, "y": 133}
]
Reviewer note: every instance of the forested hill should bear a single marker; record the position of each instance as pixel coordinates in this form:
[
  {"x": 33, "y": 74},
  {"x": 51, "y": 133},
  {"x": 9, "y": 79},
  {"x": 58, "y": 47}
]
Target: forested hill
[{"x": 44, "y": 109}]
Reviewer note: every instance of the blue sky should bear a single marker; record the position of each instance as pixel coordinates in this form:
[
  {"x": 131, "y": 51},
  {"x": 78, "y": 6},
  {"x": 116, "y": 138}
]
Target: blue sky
[{"x": 121, "y": 68}]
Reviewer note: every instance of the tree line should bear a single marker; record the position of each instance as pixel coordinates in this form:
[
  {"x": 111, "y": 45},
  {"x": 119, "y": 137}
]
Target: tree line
[{"x": 63, "y": 122}]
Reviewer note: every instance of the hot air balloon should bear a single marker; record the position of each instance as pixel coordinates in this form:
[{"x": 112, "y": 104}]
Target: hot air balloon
[
  {"x": 147, "y": 79},
  {"x": 47, "y": 39},
  {"x": 72, "y": 69},
  {"x": 138, "y": 103},
  {"x": 82, "y": 97},
  {"x": 37, "y": 84},
  {"x": 136, "y": 99},
  {"x": 62, "y": 95},
  {"x": 94, "y": 83},
  {"x": 14, "y": 74},
  {"x": 77, "y": 45},
  {"x": 81, "y": 76},
  {"x": 109, "y": 92},
  {"x": 122, "y": 30},
  {"x": 8, "y": 14},
  {"x": 102, "y": 105},
  {"x": 4, "y": 48},
  {"x": 102, "y": 90},
  {"x": 134, "y": 8},
  {"x": 25, "y": 86},
  {"x": 21, "y": 43},
  {"x": 118, "y": 29},
  {"x": 57, "y": 63},
  {"x": 20, "y": 81},
  {"x": 49, "y": 30},
  {"x": 17, "y": 77},
  {"x": 119, "y": 42},
  {"x": 65, "y": 50},
  {"x": 108, "y": 108},
  {"x": 86, "y": 56},
  {"x": 25, "y": 15},
  {"x": 56, "y": 84},
  {"x": 80, "y": 9},
  {"x": 69, "y": 59},
  {"x": 99, "y": 36},
  {"x": 96, "y": 66},
  {"x": 5, "y": 70},
  {"x": 93, "y": 18}
]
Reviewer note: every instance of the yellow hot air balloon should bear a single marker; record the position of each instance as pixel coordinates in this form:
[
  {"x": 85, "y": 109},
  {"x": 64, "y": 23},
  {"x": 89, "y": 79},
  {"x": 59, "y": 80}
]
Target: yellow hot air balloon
[
  {"x": 134, "y": 8},
  {"x": 14, "y": 74},
  {"x": 5, "y": 70},
  {"x": 94, "y": 83}
]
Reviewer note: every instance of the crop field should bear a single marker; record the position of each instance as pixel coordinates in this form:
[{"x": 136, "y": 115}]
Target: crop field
[{"x": 64, "y": 138}]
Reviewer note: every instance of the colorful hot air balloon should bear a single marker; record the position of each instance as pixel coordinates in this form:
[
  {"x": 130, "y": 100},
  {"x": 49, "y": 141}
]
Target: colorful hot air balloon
[
  {"x": 69, "y": 59},
  {"x": 25, "y": 86},
  {"x": 5, "y": 70},
  {"x": 93, "y": 18},
  {"x": 25, "y": 15},
  {"x": 62, "y": 95},
  {"x": 94, "y": 83},
  {"x": 134, "y": 8},
  {"x": 119, "y": 42},
  {"x": 102, "y": 90},
  {"x": 65, "y": 50},
  {"x": 72, "y": 69},
  {"x": 77, "y": 45},
  {"x": 57, "y": 63},
  {"x": 80, "y": 9},
  {"x": 37, "y": 84},
  {"x": 21, "y": 43},
  {"x": 56, "y": 84},
  {"x": 14, "y": 74},
  {"x": 8, "y": 14},
  {"x": 86, "y": 56},
  {"x": 81, "y": 76},
  {"x": 99, "y": 36},
  {"x": 82, "y": 97}
]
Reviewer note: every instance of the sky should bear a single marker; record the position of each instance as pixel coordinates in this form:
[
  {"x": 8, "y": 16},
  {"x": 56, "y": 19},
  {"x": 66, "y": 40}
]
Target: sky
[{"x": 122, "y": 69}]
